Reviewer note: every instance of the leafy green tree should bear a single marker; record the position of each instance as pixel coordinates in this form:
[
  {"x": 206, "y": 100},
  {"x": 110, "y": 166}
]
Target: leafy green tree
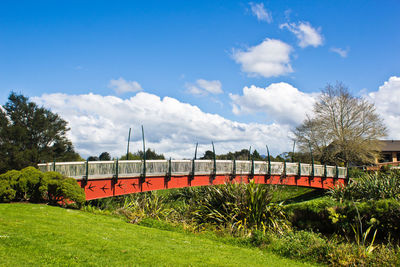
[
  {"x": 150, "y": 154},
  {"x": 208, "y": 155},
  {"x": 30, "y": 134},
  {"x": 105, "y": 156}
]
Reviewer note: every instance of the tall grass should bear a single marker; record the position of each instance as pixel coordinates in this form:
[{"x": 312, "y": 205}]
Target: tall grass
[{"x": 240, "y": 207}]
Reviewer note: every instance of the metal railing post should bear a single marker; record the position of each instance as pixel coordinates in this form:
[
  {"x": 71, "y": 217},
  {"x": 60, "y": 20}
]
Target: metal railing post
[
  {"x": 127, "y": 147},
  {"x": 268, "y": 175},
  {"x": 192, "y": 174},
  {"x": 312, "y": 161},
  {"x": 214, "y": 173},
  {"x": 169, "y": 173},
  {"x": 233, "y": 176},
  {"x": 115, "y": 178},
  {"x": 144, "y": 158}
]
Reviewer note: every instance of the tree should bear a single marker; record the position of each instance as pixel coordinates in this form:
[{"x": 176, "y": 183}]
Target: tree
[
  {"x": 30, "y": 134},
  {"x": 208, "y": 155},
  {"x": 93, "y": 158},
  {"x": 343, "y": 129},
  {"x": 150, "y": 154},
  {"x": 105, "y": 156}
]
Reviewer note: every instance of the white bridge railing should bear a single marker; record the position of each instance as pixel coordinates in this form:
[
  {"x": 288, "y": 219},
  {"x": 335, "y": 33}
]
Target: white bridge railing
[{"x": 136, "y": 168}]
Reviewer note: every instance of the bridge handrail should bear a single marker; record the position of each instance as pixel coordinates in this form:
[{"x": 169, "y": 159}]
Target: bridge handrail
[{"x": 133, "y": 168}]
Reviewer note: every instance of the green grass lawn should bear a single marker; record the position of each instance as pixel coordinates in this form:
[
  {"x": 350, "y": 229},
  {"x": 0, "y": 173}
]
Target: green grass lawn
[{"x": 32, "y": 235}]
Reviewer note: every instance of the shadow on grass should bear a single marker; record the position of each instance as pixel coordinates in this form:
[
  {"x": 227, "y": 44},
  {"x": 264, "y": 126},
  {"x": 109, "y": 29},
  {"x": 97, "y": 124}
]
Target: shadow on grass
[{"x": 316, "y": 193}]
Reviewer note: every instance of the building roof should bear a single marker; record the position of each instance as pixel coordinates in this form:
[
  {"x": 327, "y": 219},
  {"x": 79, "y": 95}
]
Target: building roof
[{"x": 390, "y": 145}]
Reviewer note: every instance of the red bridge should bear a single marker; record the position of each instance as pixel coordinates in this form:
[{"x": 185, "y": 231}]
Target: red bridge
[{"x": 102, "y": 179}]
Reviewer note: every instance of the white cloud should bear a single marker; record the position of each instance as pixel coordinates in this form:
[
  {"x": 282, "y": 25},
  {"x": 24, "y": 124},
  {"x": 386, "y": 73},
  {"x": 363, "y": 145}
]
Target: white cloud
[
  {"x": 121, "y": 86},
  {"x": 271, "y": 58},
  {"x": 341, "y": 52},
  {"x": 100, "y": 123},
  {"x": 204, "y": 87},
  {"x": 387, "y": 101},
  {"x": 260, "y": 12},
  {"x": 305, "y": 33},
  {"x": 281, "y": 102}
]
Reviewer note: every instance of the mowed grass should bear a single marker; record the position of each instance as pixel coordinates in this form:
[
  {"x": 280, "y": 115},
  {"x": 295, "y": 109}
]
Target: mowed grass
[{"x": 36, "y": 235}]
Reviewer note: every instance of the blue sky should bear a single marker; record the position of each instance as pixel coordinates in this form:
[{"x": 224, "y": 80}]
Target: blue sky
[{"x": 197, "y": 53}]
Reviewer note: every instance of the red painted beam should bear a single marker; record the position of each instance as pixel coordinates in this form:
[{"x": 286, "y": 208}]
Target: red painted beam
[{"x": 101, "y": 188}]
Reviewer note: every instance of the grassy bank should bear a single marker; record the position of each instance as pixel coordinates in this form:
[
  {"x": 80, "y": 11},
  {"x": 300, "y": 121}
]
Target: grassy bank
[{"x": 43, "y": 235}]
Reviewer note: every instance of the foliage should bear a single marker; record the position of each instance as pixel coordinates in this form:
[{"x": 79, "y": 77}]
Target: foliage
[
  {"x": 241, "y": 207},
  {"x": 7, "y": 193},
  {"x": 60, "y": 188},
  {"x": 93, "y": 158},
  {"x": 32, "y": 185},
  {"x": 343, "y": 129},
  {"x": 30, "y": 134},
  {"x": 105, "y": 156},
  {"x": 377, "y": 185},
  {"x": 150, "y": 154},
  {"x": 310, "y": 246},
  {"x": 329, "y": 216}
]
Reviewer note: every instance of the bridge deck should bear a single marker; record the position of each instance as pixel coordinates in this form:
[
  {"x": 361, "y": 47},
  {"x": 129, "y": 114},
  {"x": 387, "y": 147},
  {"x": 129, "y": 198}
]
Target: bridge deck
[{"x": 111, "y": 178}]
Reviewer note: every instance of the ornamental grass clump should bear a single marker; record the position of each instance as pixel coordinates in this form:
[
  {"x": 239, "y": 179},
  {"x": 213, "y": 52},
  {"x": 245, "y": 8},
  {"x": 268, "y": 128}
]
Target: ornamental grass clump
[{"x": 240, "y": 207}]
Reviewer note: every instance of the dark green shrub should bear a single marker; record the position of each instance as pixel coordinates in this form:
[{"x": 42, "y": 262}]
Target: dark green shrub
[
  {"x": 7, "y": 193},
  {"x": 66, "y": 190},
  {"x": 312, "y": 215},
  {"x": 32, "y": 185},
  {"x": 28, "y": 184},
  {"x": 329, "y": 216}
]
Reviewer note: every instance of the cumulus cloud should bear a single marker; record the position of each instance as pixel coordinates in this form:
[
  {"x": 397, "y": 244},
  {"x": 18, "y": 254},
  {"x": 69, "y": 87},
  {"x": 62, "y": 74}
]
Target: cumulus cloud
[
  {"x": 204, "y": 87},
  {"x": 100, "y": 123},
  {"x": 387, "y": 100},
  {"x": 271, "y": 58},
  {"x": 260, "y": 12},
  {"x": 341, "y": 52},
  {"x": 305, "y": 33},
  {"x": 121, "y": 86},
  {"x": 281, "y": 102}
]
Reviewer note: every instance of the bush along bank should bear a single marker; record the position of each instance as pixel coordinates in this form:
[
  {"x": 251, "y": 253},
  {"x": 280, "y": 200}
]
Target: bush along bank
[
  {"x": 32, "y": 185},
  {"x": 328, "y": 216}
]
